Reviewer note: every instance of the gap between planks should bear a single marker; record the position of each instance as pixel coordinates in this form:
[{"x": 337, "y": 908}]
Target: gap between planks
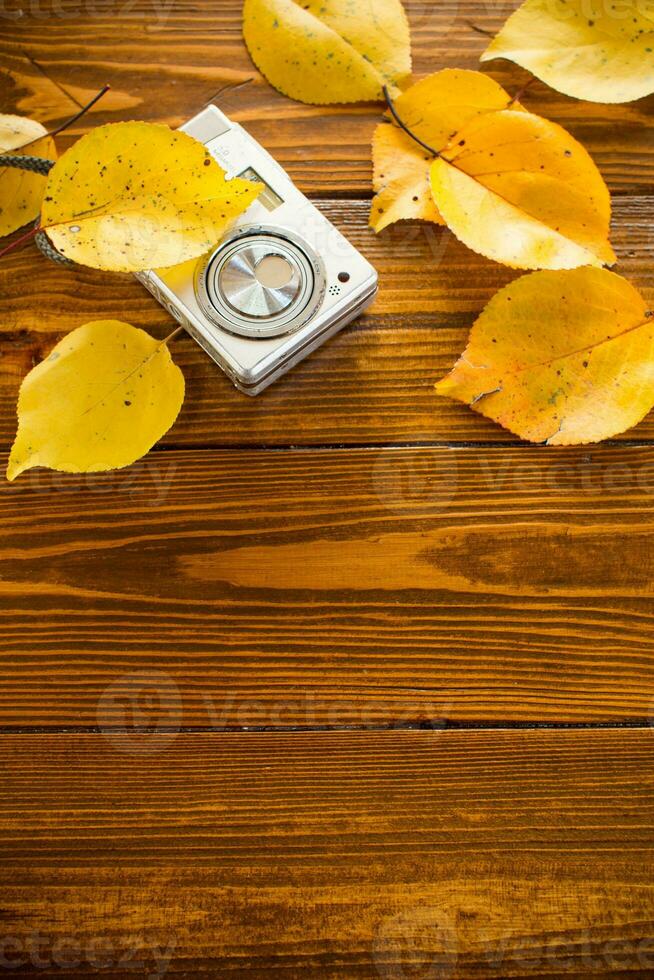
[{"x": 639, "y": 724}]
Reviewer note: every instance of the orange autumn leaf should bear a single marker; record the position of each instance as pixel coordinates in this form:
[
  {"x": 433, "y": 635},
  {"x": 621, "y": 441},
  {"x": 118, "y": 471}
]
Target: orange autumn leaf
[
  {"x": 511, "y": 185},
  {"x": 400, "y": 179},
  {"x": 432, "y": 109},
  {"x": 521, "y": 190},
  {"x": 562, "y": 358}
]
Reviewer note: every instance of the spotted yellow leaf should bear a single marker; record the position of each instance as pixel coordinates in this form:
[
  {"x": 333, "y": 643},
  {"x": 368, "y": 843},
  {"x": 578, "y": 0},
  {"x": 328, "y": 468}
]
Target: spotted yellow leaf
[
  {"x": 561, "y": 358},
  {"x": 322, "y": 51},
  {"x": 511, "y": 185},
  {"x": 21, "y": 191},
  {"x": 433, "y": 109},
  {"x": 590, "y": 49},
  {"x": 521, "y": 190},
  {"x": 400, "y": 179},
  {"x": 133, "y": 196},
  {"x": 101, "y": 399}
]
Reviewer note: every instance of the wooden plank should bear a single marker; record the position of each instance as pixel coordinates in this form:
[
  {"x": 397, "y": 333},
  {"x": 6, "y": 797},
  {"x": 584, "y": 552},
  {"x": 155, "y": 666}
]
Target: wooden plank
[
  {"x": 373, "y": 383},
  {"x": 330, "y": 855},
  {"x": 164, "y": 61},
  {"x": 379, "y": 587}
]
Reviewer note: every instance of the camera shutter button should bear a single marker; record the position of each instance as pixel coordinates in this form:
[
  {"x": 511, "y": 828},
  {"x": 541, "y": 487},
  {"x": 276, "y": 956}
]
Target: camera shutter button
[{"x": 259, "y": 283}]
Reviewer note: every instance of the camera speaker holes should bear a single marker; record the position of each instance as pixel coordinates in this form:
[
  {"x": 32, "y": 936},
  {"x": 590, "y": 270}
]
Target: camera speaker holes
[{"x": 334, "y": 290}]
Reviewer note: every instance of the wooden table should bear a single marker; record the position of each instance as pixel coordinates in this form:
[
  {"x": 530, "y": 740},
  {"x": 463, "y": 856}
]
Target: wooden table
[{"x": 342, "y": 681}]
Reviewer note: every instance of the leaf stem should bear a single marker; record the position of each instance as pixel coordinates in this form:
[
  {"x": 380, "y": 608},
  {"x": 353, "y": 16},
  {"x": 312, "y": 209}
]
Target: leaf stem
[
  {"x": 69, "y": 122},
  {"x": 78, "y": 115},
  {"x": 479, "y": 30},
  {"x": 393, "y": 111},
  {"x": 20, "y": 240},
  {"x": 171, "y": 336},
  {"x": 229, "y": 87},
  {"x": 521, "y": 92}
]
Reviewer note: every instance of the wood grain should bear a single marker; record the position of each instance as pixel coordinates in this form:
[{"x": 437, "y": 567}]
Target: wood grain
[
  {"x": 165, "y": 59},
  {"x": 467, "y": 583},
  {"x": 371, "y": 384},
  {"x": 367, "y": 588},
  {"x": 452, "y": 854}
]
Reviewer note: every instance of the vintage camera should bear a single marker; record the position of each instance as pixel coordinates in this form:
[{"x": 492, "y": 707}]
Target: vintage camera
[{"x": 282, "y": 280}]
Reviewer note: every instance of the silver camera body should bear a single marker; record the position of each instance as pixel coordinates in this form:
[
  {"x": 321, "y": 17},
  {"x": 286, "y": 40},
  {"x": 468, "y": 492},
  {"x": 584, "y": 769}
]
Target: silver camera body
[{"x": 281, "y": 281}]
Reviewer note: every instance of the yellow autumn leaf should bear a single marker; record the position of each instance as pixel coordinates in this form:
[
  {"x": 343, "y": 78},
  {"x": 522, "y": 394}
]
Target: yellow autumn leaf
[
  {"x": 562, "y": 358},
  {"x": 589, "y": 49},
  {"x": 323, "y": 51},
  {"x": 432, "y": 109},
  {"x": 101, "y": 399},
  {"x": 132, "y": 196},
  {"x": 521, "y": 190},
  {"x": 511, "y": 185},
  {"x": 21, "y": 191},
  {"x": 400, "y": 180}
]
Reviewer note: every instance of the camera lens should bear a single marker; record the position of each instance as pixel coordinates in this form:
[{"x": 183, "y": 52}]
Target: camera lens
[
  {"x": 260, "y": 283},
  {"x": 274, "y": 272}
]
